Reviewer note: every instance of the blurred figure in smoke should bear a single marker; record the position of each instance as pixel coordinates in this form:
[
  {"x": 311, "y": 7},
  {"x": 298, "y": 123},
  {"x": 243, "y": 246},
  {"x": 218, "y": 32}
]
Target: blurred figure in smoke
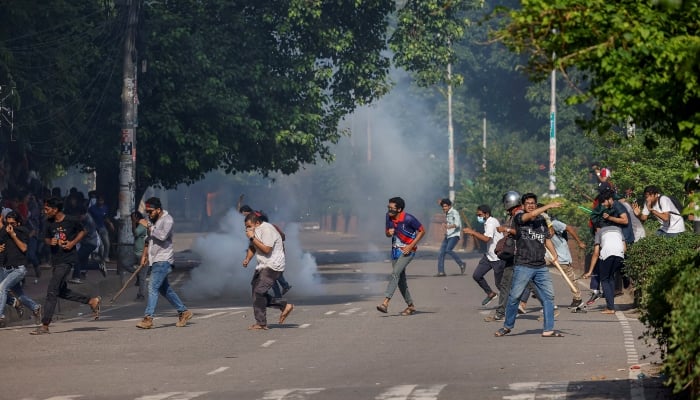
[
  {"x": 405, "y": 232},
  {"x": 266, "y": 245}
]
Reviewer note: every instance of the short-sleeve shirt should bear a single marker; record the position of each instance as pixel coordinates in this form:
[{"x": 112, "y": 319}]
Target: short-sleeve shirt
[
  {"x": 490, "y": 231},
  {"x": 140, "y": 233},
  {"x": 406, "y": 228},
  {"x": 561, "y": 245},
  {"x": 13, "y": 256},
  {"x": 675, "y": 222},
  {"x": 66, "y": 230},
  {"x": 611, "y": 242},
  {"x": 530, "y": 250},
  {"x": 270, "y": 237}
]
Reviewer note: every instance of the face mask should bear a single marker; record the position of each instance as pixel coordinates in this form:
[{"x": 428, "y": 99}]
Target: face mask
[
  {"x": 480, "y": 219},
  {"x": 392, "y": 213}
]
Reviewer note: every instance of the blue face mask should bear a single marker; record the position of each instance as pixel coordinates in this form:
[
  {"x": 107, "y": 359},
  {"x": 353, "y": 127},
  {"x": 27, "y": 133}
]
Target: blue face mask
[{"x": 480, "y": 219}]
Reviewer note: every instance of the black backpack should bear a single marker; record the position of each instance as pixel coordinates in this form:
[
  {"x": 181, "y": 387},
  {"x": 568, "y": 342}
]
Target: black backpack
[{"x": 676, "y": 203}]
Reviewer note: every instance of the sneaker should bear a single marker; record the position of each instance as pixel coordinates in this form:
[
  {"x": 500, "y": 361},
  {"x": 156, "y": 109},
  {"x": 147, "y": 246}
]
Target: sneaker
[
  {"x": 285, "y": 290},
  {"x": 594, "y": 296},
  {"x": 146, "y": 323},
  {"x": 494, "y": 318},
  {"x": 76, "y": 281},
  {"x": 103, "y": 269},
  {"x": 489, "y": 299},
  {"x": 521, "y": 309},
  {"x": 2, "y": 322},
  {"x": 37, "y": 314},
  {"x": 462, "y": 268},
  {"x": 575, "y": 303},
  {"x": 440, "y": 274},
  {"x": 183, "y": 318},
  {"x": 18, "y": 307},
  {"x": 140, "y": 297}
]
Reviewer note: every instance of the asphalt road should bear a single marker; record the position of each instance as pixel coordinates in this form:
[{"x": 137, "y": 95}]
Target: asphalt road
[{"x": 334, "y": 345}]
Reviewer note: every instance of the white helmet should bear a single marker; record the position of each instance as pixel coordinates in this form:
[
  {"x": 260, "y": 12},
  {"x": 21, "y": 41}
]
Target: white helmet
[{"x": 511, "y": 199}]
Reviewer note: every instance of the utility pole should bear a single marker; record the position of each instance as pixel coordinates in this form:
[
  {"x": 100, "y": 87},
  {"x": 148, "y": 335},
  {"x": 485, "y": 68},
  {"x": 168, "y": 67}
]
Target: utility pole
[
  {"x": 127, "y": 158},
  {"x": 553, "y": 130},
  {"x": 483, "y": 142},
  {"x": 451, "y": 136}
]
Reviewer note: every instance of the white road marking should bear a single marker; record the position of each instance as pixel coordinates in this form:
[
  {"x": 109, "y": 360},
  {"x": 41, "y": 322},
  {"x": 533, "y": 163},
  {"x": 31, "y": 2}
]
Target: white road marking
[
  {"x": 330, "y": 312},
  {"x": 268, "y": 343},
  {"x": 172, "y": 396},
  {"x": 302, "y": 326},
  {"x": 217, "y": 371},
  {"x": 396, "y": 393},
  {"x": 428, "y": 393},
  {"x": 298, "y": 393},
  {"x": 350, "y": 311},
  {"x": 66, "y": 397},
  {"x": 216, "y": 314}
]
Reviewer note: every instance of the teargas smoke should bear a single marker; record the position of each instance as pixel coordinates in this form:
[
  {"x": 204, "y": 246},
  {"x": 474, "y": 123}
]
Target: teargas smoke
[{"x": 221, "y": 273}]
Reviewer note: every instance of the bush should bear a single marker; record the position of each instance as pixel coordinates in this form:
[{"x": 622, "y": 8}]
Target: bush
[
  {"x": 666, "y": 291},
  {"x": 683, "y": 362}
]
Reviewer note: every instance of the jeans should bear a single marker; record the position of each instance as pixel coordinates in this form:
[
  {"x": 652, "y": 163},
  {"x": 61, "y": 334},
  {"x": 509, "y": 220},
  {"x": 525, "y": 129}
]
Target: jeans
[
  {"x": 8, "y": 279},
  {"x": 59, "y": 288},
  {"x": 607, "y": 269},
  {"x": 159, "y": 284},
  {"x": 104, "y": 238},
  {"x": 446, "y": 249},
  {"x": 398, "y": 278},
  {"x": 83, "y": 257},
  {"x": 263, "y": 280},
  {"x": 545, "y": 292},
  {"x": 484, "y": 266}
]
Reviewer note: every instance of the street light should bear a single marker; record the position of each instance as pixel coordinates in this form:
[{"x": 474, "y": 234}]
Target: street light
[{"x": 553, "y": 129}]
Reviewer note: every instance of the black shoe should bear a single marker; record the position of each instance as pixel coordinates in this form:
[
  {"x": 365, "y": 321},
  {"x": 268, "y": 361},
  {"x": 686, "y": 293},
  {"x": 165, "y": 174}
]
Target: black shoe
[
  {"x": 575, "y": 303},
  {"x": 594, "y": 296},
  {"x": 440, "y": 274},
  {"x": 462, "y": 268}
]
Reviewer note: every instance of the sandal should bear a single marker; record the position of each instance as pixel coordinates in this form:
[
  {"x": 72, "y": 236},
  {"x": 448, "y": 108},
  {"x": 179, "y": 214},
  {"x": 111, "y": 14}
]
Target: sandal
[
  {"x": 382, "y": 308},
  {"x": 502, "y": 332},
  {"x": 258, "y": 327},
  {"x": 410, "y": 310},
  {"x": 96, "y": 308},
  {"x": 608, "y": 311},
  {"x": 553, "y": 334}
]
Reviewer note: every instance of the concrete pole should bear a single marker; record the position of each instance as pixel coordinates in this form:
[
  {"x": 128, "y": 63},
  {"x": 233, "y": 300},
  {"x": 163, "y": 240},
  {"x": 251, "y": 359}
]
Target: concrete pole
[
  {"x": 553, "y": 134},
  {"x": 127, "y": 159},
  {"x": 450, "y": 134}
]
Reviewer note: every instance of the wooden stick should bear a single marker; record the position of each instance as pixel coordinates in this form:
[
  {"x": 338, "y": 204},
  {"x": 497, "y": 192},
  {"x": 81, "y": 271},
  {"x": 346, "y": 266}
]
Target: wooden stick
[
  {"x": 566, "y": 278},
  {"x": 128, "y": 281}
]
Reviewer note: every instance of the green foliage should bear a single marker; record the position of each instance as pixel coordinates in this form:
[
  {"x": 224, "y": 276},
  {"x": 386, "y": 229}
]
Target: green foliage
[
  {"x": 683, "y": 362},
  {"x": 666, "y": 291},
  {"x": 641, "y": 62},
  {"x": 425, "y": 32}
]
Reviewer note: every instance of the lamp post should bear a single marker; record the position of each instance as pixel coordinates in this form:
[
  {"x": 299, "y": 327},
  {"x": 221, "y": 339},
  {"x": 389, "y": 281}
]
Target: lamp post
[
  {"x": 553, "y": 130},
  {"x": 450, "y": 134}
]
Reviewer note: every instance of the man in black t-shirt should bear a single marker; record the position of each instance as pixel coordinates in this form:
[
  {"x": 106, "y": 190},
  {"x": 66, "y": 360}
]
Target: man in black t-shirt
[
  {"x": 61, "y": 234},
  {"x": 532, "y": 238},
  {"x": 13, "y": 249}
]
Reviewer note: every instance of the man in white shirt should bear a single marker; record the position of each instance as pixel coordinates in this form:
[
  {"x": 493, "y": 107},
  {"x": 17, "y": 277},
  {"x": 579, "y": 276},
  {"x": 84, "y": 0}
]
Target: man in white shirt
[
  {"x": 608, "y": 256},
  {"x": 266, "y": 245},
  {"x": 490, "y": 260},
  {"x": 662, "y": 208}
]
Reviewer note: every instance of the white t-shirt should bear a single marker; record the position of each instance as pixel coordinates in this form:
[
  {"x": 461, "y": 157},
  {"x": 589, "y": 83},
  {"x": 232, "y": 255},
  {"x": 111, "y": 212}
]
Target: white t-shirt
[
  {"x": 269, "y": 236},
  {"x": 611, "y": 242},
  {"x": 490, "y": 226},
  {"x": 675, "y": 221}
]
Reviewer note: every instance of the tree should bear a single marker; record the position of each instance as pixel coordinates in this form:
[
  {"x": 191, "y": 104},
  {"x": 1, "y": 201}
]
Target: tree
[{"x": 637, "y": 60}]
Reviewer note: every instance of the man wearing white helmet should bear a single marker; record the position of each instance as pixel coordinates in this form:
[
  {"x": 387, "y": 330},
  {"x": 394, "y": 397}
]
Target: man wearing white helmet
[{"x": 503, "y": 274}]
